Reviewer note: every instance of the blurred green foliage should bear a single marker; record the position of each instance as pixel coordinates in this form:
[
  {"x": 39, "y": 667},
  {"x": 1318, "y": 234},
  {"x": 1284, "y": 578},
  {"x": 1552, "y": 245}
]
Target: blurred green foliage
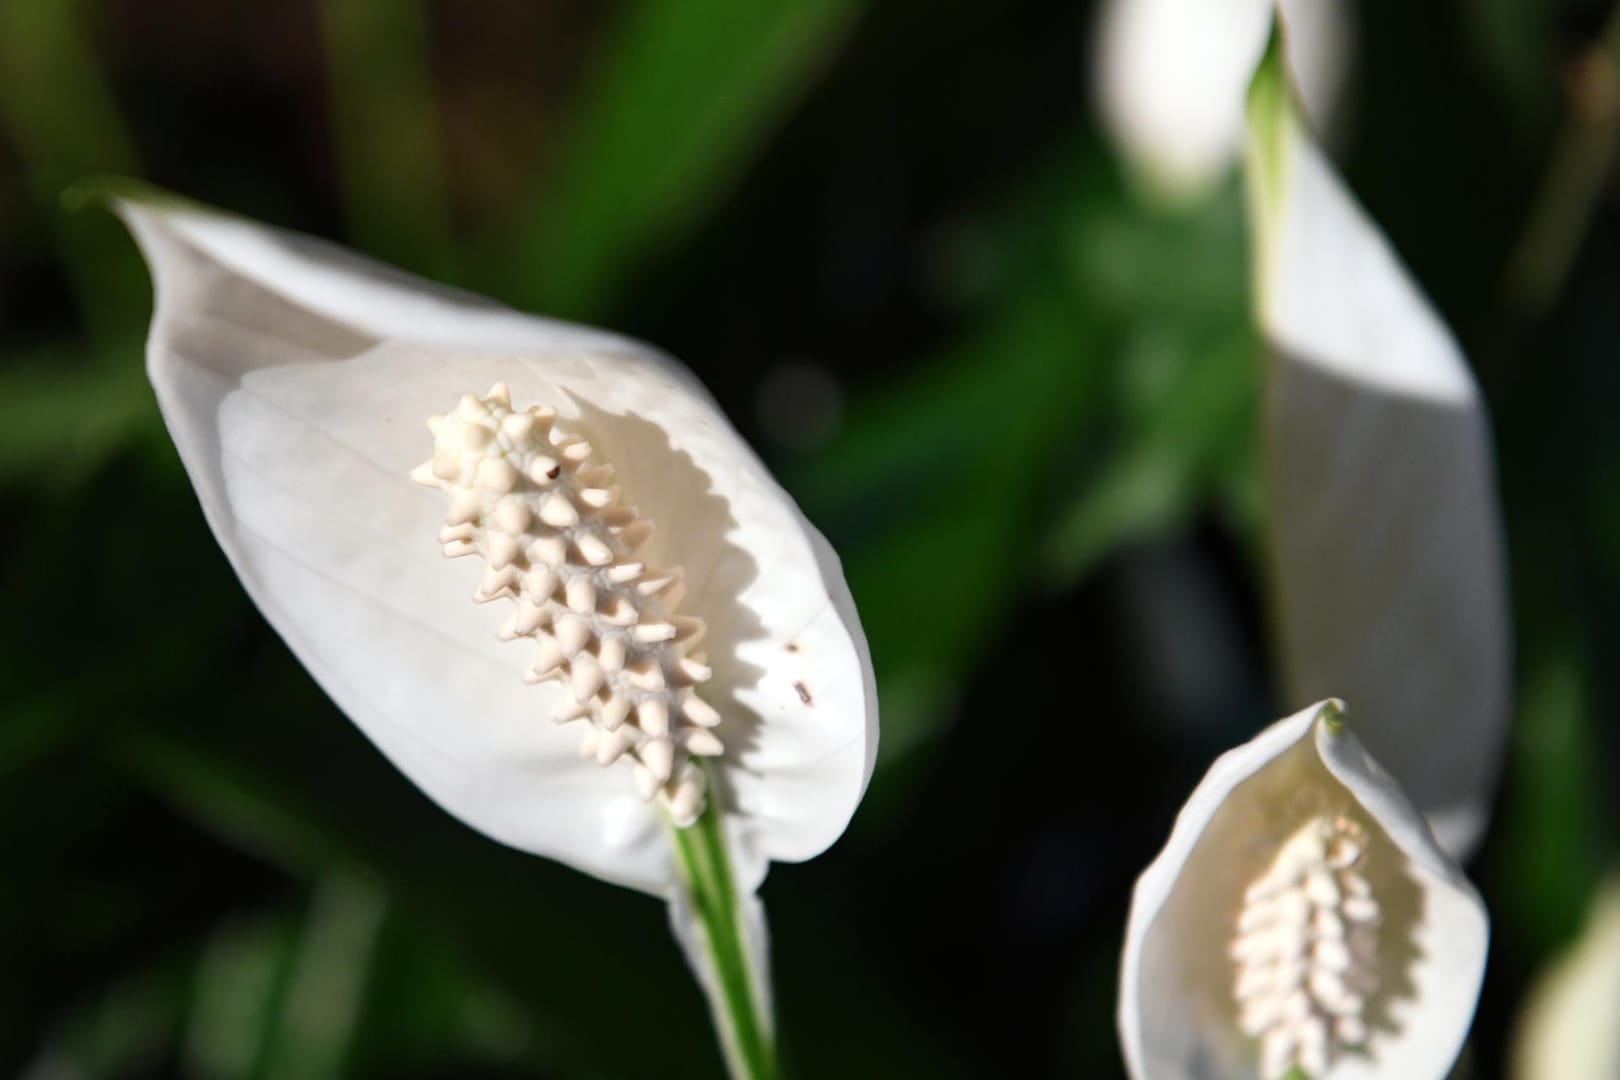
[{"x": 1041, "y": 473}]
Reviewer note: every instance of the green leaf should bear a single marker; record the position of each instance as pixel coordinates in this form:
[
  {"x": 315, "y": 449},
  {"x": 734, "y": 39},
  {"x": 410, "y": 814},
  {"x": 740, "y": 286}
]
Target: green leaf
[
  {"x": 239, "y": 977},
  {"x": 326, "y": 988},
  {"x": 1553, "y": 824},
  {"x": 954, "y": 462},
  {"x": 65, "y": 411},
  {"x": 60, "y": 115},
  {"x": 687, "y": 94},
  {"x": 1518, "y": 42},
  {"x": 1181, "y": 416},
  {"x": 386, "y": 131},
  {"x": 126, "y": 1030}
]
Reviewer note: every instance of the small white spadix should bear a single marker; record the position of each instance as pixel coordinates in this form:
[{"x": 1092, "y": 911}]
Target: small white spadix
[
  {"x": 486, "y": 457},
  {"x": 1306, "y": 949}
]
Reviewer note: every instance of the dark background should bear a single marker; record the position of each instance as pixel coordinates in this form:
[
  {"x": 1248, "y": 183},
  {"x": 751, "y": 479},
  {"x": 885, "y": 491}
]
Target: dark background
[{"x": 891, "y": 240}]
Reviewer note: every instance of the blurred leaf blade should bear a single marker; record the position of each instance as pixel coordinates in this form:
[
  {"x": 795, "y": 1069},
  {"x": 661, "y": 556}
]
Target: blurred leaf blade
[
  {"x": 983, "y": 430},
  {"x": 125, "y": 1030},
  {"x": 328, "y": 980},
  {"x": 58, "y": 108},
  {"x": 241, "y": 971},
  {"x": 688, "y": 92},
  {"x": 64, "y": 412},
  {"x": 1553, "y": 853},
  {"x": 234, "y": 799},
  {"x": 392, "y": 172}
]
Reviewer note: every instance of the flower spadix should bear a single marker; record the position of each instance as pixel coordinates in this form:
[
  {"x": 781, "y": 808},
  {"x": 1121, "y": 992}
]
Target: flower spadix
[
  {"x": 661, "y": 594},
  {"x": 1300, "y": 917},
  {"x": 558, "y": 545},
  {"x": 1171, "y": 75},
  {"x": 1387, "y": 561}
]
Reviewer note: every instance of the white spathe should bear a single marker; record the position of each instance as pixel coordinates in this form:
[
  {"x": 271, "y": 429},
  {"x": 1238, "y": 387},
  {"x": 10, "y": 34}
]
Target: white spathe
[
  {"x": 1183, "y": 984},
  {"x": 296, "y": 379},
  {"x": 1387, "y": 552},
  {"x": 1170, "y": 77},
  {"x": 1570, "y": 1027}
]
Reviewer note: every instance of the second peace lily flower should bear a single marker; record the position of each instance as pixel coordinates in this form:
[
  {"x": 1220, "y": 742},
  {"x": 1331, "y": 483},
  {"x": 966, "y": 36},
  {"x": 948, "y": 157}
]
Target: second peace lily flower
[
  {"x": 1386, "y": 540},
  {"x": 1302, "y": 917},
  {"x": 688, "y": 631}
]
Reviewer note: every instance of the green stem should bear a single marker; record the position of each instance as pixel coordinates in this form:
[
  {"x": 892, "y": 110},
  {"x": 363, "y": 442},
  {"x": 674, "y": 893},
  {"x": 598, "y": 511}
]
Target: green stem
[{"x": 745, "y": 1030}]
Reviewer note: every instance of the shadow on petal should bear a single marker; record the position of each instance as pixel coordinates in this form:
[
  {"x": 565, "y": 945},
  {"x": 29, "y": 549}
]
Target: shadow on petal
[{"x": 693, "y": 526}]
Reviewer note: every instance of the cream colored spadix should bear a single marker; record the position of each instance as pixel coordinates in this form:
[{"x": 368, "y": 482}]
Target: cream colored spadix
[
  {"x": 1301, "y": 916},
  {"x": 1171, "y": 75},
  {"x": 1386, "y": 540},
  {"x": 560, "y": 548},
  {"x": 1306, "y": 949}
]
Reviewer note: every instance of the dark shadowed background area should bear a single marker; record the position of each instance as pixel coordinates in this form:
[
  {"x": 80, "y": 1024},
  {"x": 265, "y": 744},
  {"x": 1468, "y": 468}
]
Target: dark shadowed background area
[{"x": 891, "y": 240}]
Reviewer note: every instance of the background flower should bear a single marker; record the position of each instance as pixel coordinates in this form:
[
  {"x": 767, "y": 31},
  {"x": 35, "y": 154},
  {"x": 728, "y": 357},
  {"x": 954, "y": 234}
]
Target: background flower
[
  {"x": 1567, "y": 1029},
  {"x": 1385, "y": 535},
  {"x": 1300, "y": 916},
  {"x": 1171, "y": 76}
]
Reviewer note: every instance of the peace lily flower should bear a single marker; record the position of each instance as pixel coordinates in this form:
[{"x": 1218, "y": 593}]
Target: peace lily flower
[
  {"x": 1568, "y": 1029},
  {"x": 1300, "y": 919},
  {"x": 1170, "y": 76},
  {"x": 1386, "y": 539},
  {"x": 643, "y": 661}
]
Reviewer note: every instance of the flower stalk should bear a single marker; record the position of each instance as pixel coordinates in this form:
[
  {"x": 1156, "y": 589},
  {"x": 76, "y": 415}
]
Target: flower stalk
[{"x": 741, "y": 1015}]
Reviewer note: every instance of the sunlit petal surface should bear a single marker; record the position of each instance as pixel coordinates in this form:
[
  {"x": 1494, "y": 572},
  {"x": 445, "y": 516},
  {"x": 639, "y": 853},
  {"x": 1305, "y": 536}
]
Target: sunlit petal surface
[{"x": 296, "y": 380}]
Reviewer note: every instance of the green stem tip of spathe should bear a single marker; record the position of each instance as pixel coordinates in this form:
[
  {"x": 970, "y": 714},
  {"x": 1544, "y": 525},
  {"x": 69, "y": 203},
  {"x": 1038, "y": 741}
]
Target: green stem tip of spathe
[
  {"x": 705, "y": 868},
  {"x": 1270, "y": 104}
]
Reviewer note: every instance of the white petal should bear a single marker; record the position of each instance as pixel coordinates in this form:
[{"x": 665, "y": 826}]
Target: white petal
[
  {"x": 296, "y": 380},
  {"x": 1453, "y": 936},
  {"x": 1171, "y": 76},
  {"x": 337, "y": 285},
  {"x": 1166, "y": 1025},
  {"x": 1568, "y": 1029},
  {"x": 1388, "y": 560}
]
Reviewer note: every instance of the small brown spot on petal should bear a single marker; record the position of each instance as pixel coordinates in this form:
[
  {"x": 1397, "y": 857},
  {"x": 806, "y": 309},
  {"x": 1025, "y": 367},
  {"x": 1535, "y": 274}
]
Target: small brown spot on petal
[
  {"x": 804, "y": 693},
  {"x": 793, "y": 646}
]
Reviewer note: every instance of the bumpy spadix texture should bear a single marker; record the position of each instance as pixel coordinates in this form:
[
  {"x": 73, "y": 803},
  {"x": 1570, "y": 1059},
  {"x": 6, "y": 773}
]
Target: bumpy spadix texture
[
  {"x": 1306, "y": 949},
  {"x": 1301, "y": 915},
  {"x": 558, "y": 545}
]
